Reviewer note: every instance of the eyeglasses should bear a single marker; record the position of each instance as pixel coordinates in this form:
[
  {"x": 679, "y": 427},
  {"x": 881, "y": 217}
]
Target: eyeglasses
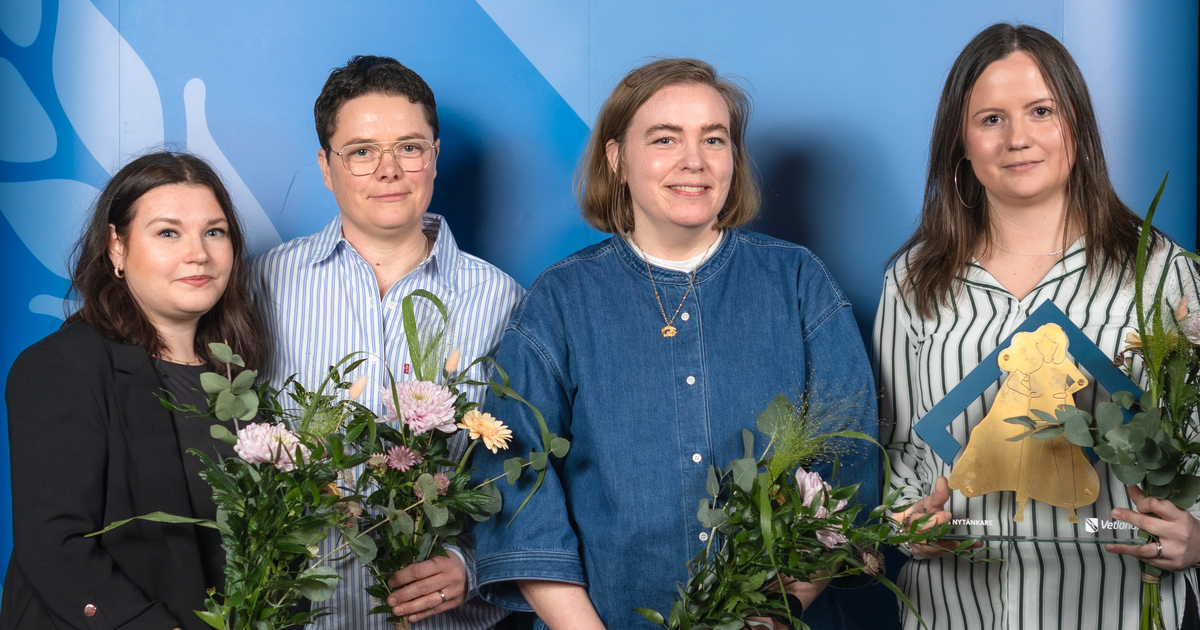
[{"x": 364, "y": 158}]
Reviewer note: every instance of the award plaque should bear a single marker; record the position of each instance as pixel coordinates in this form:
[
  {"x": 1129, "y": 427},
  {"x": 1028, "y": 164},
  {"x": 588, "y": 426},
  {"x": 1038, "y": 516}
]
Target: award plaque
[{"x": 1038, "y": 375}]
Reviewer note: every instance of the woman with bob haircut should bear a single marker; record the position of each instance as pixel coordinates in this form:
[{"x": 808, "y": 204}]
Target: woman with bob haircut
[
  {"x": 158, "y": 275},
  {"x": 651, "y": 351},
  {"x": 1018, "y": 211}
]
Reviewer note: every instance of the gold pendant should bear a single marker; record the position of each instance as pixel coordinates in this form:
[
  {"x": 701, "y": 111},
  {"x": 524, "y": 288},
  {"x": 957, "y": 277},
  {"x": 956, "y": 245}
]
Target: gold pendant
[{"x": 668, "y": 331}]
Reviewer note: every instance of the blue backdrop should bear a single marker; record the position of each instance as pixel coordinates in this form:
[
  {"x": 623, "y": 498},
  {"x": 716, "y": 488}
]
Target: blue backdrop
[{"x": 845, "y": 95}]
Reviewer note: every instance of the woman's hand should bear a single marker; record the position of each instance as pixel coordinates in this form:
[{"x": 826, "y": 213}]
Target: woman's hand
[
  {"x": 933, "y": 504},
  {"x": 428, "y": 588},
  {"x": 1177, "y": 530},
  {"x": 806, "y": 592}
]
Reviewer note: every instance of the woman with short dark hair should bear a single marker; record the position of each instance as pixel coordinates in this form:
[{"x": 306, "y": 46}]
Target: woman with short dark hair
[
  {"x": 651, "y": 352},
  {"x": 1018, "y": 211},
  {"x": 158, "y": 272}
]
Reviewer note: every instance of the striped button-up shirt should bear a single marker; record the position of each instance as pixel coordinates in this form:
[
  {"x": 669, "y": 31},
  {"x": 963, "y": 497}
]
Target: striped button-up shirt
[
  {"x": 918, "y": 361},
  {"x": 320, "y": 301}
]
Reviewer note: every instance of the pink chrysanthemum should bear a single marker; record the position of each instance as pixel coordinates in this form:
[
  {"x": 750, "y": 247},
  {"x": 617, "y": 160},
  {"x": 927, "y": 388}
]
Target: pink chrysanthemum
[
  {"x": 440, "y": 480},
  {"x": 422, "y": 405},
  {"x": 403, "y": 458},
  {"x": 269, "y": 443}
]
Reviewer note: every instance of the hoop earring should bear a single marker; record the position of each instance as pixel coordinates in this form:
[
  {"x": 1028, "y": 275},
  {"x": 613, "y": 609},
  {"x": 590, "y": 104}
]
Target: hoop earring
[
  {"x": 118, "y": 272},
  {"x": 956, "y": 193}
]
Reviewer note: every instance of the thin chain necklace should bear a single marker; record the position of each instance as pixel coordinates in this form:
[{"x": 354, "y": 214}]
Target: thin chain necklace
[
  {"x": 196, "y": 359},
  {"x": 669, "y": 330},
  {"x": 1021, "y": 254}
]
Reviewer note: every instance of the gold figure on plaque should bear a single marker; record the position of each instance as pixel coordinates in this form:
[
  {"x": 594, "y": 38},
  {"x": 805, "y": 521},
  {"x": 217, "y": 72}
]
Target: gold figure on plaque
[{"x": 1052, "y": 470}]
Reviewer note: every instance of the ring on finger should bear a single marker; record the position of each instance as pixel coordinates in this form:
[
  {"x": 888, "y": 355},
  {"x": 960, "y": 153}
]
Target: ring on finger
[
  {"x": 1159, "y": 543},
  {"x": 444, "y": 595}
]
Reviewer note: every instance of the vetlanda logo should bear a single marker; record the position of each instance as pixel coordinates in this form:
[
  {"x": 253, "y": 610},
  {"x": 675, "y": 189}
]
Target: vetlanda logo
[
  {"x": 973, "y": 521},
  {"x": 1094, "y": 525}
]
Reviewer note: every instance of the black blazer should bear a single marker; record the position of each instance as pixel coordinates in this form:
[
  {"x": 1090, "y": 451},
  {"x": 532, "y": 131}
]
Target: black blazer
[{"x": 92, "y": 444}]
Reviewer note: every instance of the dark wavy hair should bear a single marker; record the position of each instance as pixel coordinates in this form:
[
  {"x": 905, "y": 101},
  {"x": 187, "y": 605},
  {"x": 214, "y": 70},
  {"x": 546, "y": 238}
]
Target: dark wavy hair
[
  {"x": 369, "y": 74},
  {"x": 950, "y": 232},
  {"x": 107, "y": 304},
  {"x": 604, "y": 197}
]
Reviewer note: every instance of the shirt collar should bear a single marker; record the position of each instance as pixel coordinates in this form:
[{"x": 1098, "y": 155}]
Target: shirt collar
[
  {"x": 707, "y": 269},
  {"x": 443, "y": 257}
]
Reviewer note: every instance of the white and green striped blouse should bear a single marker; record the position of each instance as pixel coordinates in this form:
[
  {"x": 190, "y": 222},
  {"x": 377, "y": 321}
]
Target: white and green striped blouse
[{"x": 918, "y": 361}]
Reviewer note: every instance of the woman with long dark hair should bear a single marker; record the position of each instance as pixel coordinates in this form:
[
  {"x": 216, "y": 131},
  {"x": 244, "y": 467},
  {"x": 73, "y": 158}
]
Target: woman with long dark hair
[
  {"x": 1018, "y": 211},
  {"x": 159, "y": 275}
]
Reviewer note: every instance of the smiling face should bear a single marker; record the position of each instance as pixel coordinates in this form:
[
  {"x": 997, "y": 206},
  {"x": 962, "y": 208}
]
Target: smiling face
[
  {"x": 389, "y": 203},
  {"x": 1016, "y": 138},
  {"x": 676, "y": 159},
  {"x": 177, "y": 255}
]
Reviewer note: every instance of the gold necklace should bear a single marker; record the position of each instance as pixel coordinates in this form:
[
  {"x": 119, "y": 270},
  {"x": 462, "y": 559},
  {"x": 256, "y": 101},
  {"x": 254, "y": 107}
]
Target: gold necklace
[
  {"x": 669, "y": 330},
  {"x": 196, "y": 360}
]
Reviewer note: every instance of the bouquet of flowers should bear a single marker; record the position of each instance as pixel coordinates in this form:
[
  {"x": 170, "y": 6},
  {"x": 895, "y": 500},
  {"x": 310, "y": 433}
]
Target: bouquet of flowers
[
  {"x": 417, "y": 494},
  {"x": 273, "y": 500},
  {"x": 773, "y": 522},
  {"x": 1156, "y": 448}
]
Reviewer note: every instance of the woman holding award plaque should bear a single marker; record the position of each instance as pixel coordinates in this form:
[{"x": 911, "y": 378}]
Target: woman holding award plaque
[
  {"x": 1019, "y": 211},
  {"x": 652, "y": 351}
]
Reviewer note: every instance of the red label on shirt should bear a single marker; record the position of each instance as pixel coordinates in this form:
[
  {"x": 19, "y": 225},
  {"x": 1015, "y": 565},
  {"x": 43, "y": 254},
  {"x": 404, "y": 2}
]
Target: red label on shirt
[{"x": 406, "y": 368}]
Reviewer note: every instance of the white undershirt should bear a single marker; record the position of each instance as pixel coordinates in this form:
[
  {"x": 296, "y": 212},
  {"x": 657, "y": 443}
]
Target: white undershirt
[{"x": 684, "y": 266}]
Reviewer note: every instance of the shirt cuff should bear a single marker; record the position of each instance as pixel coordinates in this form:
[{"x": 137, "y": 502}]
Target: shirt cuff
[{"x": 468, "y": 560}]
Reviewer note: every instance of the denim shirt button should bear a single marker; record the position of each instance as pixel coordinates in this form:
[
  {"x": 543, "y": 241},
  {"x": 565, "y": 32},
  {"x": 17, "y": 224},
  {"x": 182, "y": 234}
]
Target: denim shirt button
[
  {"x": 696, "y": 457},
  {"x": 691, "y": 380},
  {"x": 703, "y": 536},
  {"x": 684, "y": 316}
]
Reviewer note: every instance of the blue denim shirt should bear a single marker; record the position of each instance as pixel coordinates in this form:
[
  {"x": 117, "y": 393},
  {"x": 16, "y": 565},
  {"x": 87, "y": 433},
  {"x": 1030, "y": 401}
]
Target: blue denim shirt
[{"x": 647, "y": 415}]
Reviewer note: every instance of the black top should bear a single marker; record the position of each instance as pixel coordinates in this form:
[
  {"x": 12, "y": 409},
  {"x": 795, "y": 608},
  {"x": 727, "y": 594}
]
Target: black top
[
  {"x": 92, "y": 444},
  {"x": 192, "y": 430}
]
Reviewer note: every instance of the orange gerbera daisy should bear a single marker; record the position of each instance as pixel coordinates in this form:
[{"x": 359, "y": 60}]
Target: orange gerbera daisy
[{"x": 495, "y": 434}]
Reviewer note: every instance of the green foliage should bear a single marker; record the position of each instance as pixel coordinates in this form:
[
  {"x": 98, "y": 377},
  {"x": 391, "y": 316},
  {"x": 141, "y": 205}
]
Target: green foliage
[{"x": 762, "y": 531}]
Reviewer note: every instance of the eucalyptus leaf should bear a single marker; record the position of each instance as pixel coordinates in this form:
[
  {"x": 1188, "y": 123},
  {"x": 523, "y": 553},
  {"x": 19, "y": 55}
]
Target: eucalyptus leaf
[
  {"x": 1106, "y": 453},
  {"x": 512, "y": 469},
  {"x": 1123, "y": 399},
  {"x": 747, "y": 443},
  {"x": 1046, "y": 417},
  {"x": 1161, "y": 476},
  {"x": 249, "y": 401},
  {"x": 438, "y": 515},
  {"x": 1188, "y": 489},
  {"x": 400, "y": 522},
  {"x": 495, "y": 500},
  {"x": 778, "y": 412},
  {"x": 1044, "y": 433},
  {"x": 1024, "y": 421},
  {"x": 1129, "y": 475},
  {"x": 1108, "y": 417},
  {"x": 537, "y": 460},
  {"x": 744, "y": 472},
  {"x": 712, "y": 486},
  {"x": 222, "y": 434},
  {"x": 214, "y": 383},
  {"x": 428, "y": 487},
  {"x": 220, "y": 352},
  {"x": 317, "y": 583},
  {"x": 243, "y": 381},
  {"x": 559, "y": 446},
  {"x": 227, "y": 406},
  {"x": 1077, "y": 431},
  {"x": 362, "y": 546}
]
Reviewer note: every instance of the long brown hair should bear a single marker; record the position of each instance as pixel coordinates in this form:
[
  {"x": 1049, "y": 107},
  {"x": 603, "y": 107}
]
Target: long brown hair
[
  {"x": 604, "y": 196},
  {"x": 954, "y": 221},
  {"x": 110, "y": 308}
]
